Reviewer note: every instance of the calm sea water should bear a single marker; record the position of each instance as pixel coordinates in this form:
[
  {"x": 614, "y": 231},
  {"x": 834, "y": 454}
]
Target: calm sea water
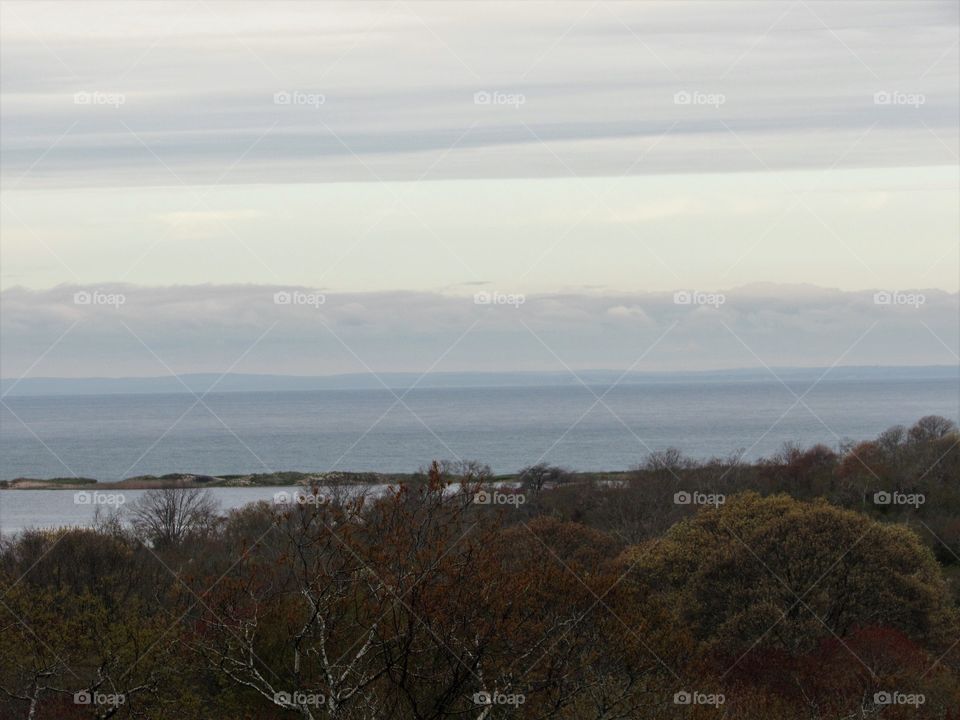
[{"x": 114, "y": 436}]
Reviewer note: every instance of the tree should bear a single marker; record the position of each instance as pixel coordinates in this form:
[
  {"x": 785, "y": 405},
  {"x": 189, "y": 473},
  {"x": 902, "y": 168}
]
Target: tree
[
  {"x": 779, "y": 573},
  {"x": 805, "y": 472},
  {"x": 296, "y": 620},
  {"x": 82, "y": 614},
  {"x": 166, "y": 516},
  {"x": 535, "y": 477},
  {"x": 931, "y": 427},
  {"x": 670, "y": 462}
]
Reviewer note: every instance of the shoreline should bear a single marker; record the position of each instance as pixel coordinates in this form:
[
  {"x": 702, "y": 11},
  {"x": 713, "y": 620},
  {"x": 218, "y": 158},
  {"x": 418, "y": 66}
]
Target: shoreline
[
  {"x": 191, "y": 480},
  {"x": 279, "y": 479}
]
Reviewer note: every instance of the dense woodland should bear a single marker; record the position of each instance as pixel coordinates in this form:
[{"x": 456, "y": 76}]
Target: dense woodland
[{"x": 818, "y": 583}]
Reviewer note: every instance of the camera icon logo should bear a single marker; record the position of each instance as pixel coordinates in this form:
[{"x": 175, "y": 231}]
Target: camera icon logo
[
  {"x": 682, "y": 98},
  {"x": 482, "y": 97},
  {"x": 682, "y": 498},
  {"x": 82, "y": 298},
  {"x": 282, "y": 98},
  {"x": 682, "y": 698},
  {"x": 482, "y": 498},
  {"x": 882, "y": 98},
  {"x": 82, "y": 697},
  {"x": 882, "y": 498},
  {"x": 482, "y": 698},
  {"x": 282, "y": 298}
]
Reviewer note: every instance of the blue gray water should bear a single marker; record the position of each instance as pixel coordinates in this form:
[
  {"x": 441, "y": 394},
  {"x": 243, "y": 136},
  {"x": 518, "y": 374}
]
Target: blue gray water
[{"x": 109, "y": 437}]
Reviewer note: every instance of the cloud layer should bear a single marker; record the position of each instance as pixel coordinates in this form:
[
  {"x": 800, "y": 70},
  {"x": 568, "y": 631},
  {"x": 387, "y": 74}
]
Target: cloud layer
[
  {"x": 117, "y": 330},
  {"x": 204, "y": 93}
]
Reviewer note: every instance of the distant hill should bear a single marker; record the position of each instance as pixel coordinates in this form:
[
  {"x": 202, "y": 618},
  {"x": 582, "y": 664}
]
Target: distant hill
[{"x": 203, "y": 382}]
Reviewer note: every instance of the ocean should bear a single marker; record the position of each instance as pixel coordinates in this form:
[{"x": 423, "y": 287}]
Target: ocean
[{"x": 109, "y": 437}]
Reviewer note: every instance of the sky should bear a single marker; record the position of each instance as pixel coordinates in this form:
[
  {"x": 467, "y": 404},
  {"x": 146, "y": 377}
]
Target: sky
[{"x": 577, "y": 164}]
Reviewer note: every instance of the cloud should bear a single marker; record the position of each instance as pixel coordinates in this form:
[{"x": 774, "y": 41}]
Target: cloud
[
  {"x": 634, "y": 312},
  {"x": 398, "y": 83},
  {"x": 206, "y": 328}
]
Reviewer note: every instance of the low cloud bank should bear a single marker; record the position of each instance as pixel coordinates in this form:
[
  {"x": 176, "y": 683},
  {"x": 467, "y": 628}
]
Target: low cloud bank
[{"x": 124, "y": 330}]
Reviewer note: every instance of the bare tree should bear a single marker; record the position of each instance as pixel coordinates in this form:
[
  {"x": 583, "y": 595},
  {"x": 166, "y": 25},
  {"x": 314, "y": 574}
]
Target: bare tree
[
  {"x": 305, "y": 598},
  {"x": 667, "y": 462},
  {"x": 164, "y": 517},
  {"x": 536, "y": 477},
  {"x": 932, "y": 427}
]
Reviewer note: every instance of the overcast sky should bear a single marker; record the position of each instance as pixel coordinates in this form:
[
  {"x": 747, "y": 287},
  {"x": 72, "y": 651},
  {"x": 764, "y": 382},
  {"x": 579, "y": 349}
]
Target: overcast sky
[{"x": 400, "y": 157}]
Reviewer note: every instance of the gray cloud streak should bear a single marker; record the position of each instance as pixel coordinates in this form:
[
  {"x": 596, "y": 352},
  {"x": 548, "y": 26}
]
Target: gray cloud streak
[{"x": 399, "y": 84}]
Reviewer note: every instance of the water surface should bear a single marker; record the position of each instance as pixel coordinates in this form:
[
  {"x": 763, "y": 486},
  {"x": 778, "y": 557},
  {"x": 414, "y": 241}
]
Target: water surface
[{"x": 110, "y": 437}]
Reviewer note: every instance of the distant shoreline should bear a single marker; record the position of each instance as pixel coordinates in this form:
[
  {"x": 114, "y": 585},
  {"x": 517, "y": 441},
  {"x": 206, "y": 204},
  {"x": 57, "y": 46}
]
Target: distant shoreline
[
  {"x": 202, "y": 383},
  {"x": 151, "y": 482},
  {"x": 280, "y": 479}
]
